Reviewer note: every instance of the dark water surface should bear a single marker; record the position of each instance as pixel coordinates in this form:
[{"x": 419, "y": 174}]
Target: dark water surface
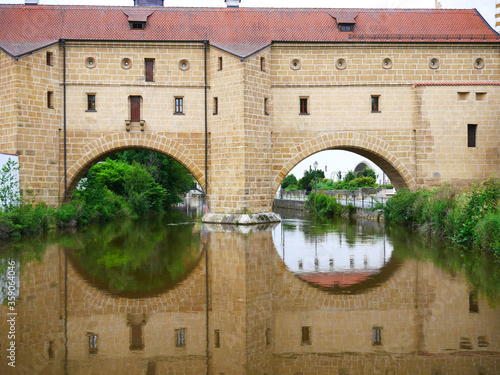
[{"x": 171, "y": 296}]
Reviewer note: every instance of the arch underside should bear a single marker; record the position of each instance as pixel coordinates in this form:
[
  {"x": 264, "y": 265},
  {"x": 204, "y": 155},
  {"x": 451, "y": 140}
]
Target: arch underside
[
  {"x": 372, "y": 148},
  {"x": 103, "y": 147}
]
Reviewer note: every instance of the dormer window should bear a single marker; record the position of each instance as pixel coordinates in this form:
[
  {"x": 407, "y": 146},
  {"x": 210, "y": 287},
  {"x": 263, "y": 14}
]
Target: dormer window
[
  {"x": 346, "y": 26},
  {"x": 137, "y": 25}
]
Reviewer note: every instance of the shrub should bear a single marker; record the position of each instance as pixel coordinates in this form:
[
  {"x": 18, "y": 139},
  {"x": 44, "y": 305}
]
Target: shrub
[
  {"x": 488, "y": 233},
  {"x": 322, "y": 204}
]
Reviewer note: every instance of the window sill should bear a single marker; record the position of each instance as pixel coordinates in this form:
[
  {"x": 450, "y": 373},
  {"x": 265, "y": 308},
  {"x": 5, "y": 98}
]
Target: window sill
[
  {"x": 179, "y": 113},
  {"x": 215, "y": 114},
  {"x": 90, "y": 110},
  {"x": 376, "y": 111},
  {"x": 50, "y": 107},
  {"x": 304, "y": 114}
]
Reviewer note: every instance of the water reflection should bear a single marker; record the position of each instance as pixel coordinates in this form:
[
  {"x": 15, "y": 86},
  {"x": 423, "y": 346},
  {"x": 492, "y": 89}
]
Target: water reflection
[
  {"x": 241, "y": 310},
  {"x": 339, "y": 255},
  {"x": 137, "y": 259}
]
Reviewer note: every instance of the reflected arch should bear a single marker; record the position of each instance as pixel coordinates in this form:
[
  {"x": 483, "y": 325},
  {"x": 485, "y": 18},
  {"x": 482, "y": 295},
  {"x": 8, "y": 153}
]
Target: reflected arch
[
  {"x": 103, "y": 147},
  {"x": 372, "y": 148}
]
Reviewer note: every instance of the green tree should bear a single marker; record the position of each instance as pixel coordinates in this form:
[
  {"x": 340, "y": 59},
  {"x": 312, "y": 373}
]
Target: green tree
[
  {"x": 368, "y": 172},
  {"x": 288, "y": 181},
  {"x": 308, "y": 177},
  {"x": 167, "y": 172}
]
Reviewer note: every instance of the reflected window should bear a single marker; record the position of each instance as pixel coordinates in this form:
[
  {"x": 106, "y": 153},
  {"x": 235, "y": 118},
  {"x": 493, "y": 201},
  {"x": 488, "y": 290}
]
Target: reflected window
[
  {"x": 473, "y": 304},
  {"x": 92, "y": 343},
  {"x": 306, "y": 335},
  {"x": 351, "y": 263},
  {"x": 483, "y": 342},
  {"x": 268, "y": 336},
  {"x": 51, "y": 349},
  {"x": 316, "y": 263},
  {"x": 330, "y": 263},
  {"x": 465, "y": 343},
  {"x": 180, "y": 335},
  {"x": 151, "y": 368},
  {"x": 377, "y": 335},
  {"x": 137, "y": 341},
  {"x": 217, "y": 338},
  {"x": 301, "y": 264}
]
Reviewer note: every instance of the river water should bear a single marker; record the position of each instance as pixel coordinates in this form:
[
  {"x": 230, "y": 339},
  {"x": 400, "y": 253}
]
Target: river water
[{"x": 172, "y": 296}]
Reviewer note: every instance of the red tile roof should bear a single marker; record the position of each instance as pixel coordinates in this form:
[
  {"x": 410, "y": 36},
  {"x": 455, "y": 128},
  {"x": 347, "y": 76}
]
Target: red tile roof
[{"x": 241, "y": 31}]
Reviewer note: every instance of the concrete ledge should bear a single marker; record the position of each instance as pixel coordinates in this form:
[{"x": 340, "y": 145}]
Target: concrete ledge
[{"x": 241, "y": 219}]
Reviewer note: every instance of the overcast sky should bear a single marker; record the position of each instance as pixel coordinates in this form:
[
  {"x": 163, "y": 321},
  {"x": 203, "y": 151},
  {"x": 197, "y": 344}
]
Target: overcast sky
[{"x": 485, "y": 7}]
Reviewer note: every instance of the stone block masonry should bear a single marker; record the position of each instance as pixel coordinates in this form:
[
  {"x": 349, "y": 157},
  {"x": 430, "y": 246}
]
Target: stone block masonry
[{"x": 419, "y": 134}]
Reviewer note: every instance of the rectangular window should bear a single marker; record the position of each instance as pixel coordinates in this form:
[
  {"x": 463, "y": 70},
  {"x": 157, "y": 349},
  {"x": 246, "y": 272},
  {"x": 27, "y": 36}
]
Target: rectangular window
[
  {"x": 377, "y": 335},
  {"x": 306, "y": 335},
  {"x": 51, "y": 350},
  {"x": 137, "y": 343},
  {"x": 268, "y": 336},
  {"x": 375, "y": 103},
  {"x": 135, "y": 108},
  {"x": 90, "y": 102},
  {"x": 220, "y": 62},
  {"x": 49, "y": 58},
  {"x": 262, "y": 64},
  {"x": 150, "y": 63},
  {"x": 217, "y": 338},
  {"x": 303, "y": 106},
  {"x": 481, "y": 96},
  {"x": 92, "y": 343},
  {"x": 179, "y": 106},
  {"x": 471, "y": 135},
  {"x": 50, "y": 98},
  {"x": 180, "y": 335},
  {"x": 346, "y": 27},
  {"x": 463, "y": 96},
  {"x": 473, "y": 305},
  {"x": 216, "y": 106},
  {"x": 137, "y": 25},
  {"x": 266, "y": 112}
]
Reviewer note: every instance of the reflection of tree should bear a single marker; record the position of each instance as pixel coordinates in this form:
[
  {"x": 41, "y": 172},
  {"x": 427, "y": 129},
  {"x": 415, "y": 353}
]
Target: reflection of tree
[
  {"x": 481, "y": 271},
  {"x": 352, "y": 231},
  {"x": 136, "y": 256}
]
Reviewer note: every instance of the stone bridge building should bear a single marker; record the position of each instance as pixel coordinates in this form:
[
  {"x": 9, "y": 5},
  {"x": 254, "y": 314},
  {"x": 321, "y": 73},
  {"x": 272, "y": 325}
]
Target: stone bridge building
[{"x": 240, "y": 96}]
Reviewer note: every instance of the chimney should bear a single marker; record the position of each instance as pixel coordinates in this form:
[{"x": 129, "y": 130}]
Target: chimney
[
  {"x": 148, "y": 3},
  {"x": 31, "y": 2},
  {"x": 233, "y": 3}
]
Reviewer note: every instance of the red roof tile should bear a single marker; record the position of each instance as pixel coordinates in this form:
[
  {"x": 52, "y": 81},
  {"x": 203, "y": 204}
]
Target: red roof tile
[{"x": 241, "y": 31}]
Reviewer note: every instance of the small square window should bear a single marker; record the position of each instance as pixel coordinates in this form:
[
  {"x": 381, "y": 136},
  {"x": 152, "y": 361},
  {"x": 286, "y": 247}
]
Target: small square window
[
  {"x": 50, "y": 99},
  {"x": 375, "y": 103},
  {"x": 91, "y": 102},
  {"x": 303, "y": 106},
  {"x": 180, "y": 335},
  {"x": 137, "y": 25},
  {"x": 216, "y": 106},
  {"x": 463, "y": 96},
  {"x": 220, "y": 62},
  {"x": 179, "y": 106},
  {"x": 481, "y": 96},
  {"x": 471, "y": 135},
  {"x": 346, "y": 27},
  {"x": 49, "y": 58}
]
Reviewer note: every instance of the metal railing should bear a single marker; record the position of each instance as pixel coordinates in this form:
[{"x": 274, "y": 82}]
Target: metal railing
[{"x": 361, "y": 199}]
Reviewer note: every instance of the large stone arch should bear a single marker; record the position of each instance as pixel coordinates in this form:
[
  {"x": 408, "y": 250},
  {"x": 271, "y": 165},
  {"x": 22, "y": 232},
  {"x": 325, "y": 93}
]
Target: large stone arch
[
  {"x": 373, "y": 148},
  {"x": 103, "y": 147}
]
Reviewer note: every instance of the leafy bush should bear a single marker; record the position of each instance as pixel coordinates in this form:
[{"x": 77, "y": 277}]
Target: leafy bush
[
  {"x": 322, "y": 204},
  {"x": 469, "y": 217}
]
